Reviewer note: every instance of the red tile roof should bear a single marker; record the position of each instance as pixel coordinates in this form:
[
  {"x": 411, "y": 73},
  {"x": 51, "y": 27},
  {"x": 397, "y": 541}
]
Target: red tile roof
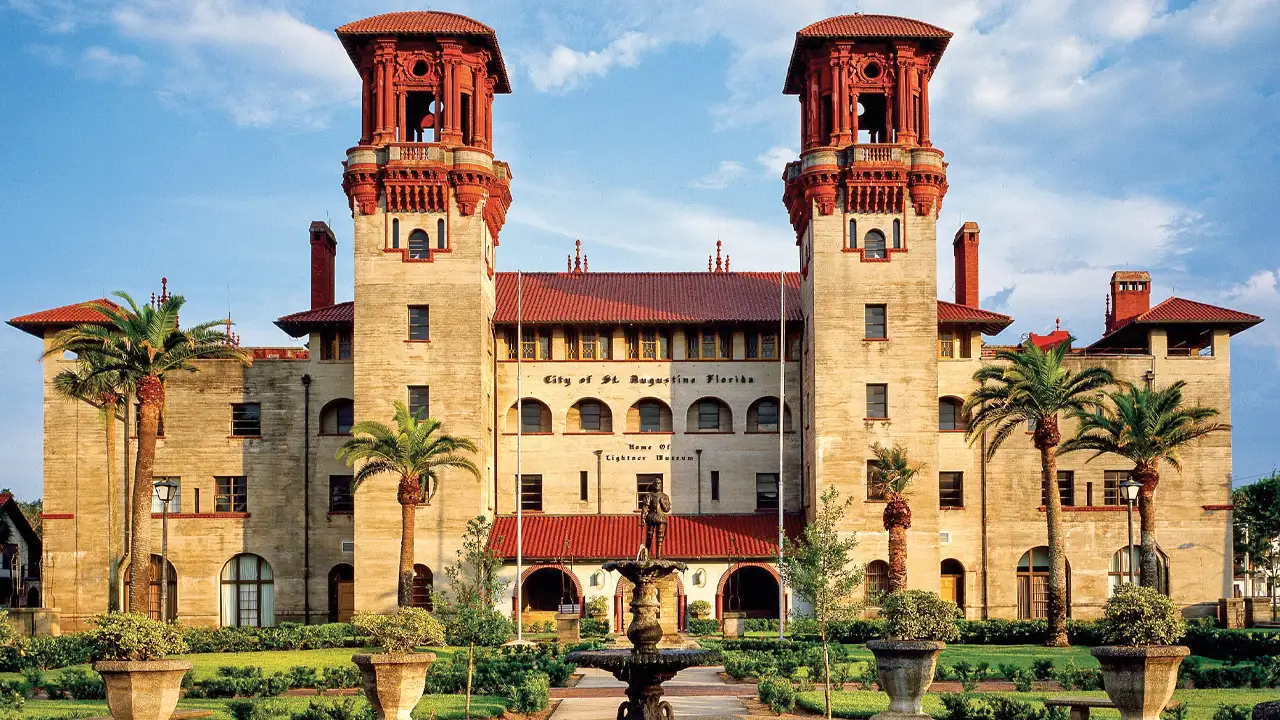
[
  {"x": 301, "y": 323},
  {"x": 66, "y": 316},
  {"x": 431, "y": 22},
  {"x": 647, "y": 297},
  {"x": 861, "y": 26},
  {"x": 990, "y": 323},
  {"x": 1177, "y": 311},
  {"x": 615, "y": 537},
  {"x": 1044, "y": 342}
]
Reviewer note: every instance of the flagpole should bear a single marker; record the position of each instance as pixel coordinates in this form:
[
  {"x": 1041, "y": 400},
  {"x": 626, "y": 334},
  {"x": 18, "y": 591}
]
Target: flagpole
[
  {"x": 519, "y": 476},
  {"x": 782, "y": 416}
]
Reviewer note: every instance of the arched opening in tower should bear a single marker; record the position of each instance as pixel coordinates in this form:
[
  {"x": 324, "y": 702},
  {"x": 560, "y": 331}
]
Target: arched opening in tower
[
  {"x": 420, "y": 117},
  {"x": 873, "y": 118}
]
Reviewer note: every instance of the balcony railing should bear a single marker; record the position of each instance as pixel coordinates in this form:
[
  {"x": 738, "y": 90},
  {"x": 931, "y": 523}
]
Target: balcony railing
[{"x": 876, "y": 153}]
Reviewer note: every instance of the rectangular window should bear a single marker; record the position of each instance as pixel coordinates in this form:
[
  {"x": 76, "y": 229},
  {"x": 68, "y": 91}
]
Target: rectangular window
[
  {"x": 582, "y": 485},
  {"x": 762, "y": 345},
  {"x": 650, "y": 417},
  {"x": 509, "y": 335},
  {"x": 946, "y": 344},
  {"x": 1111, "y": 480},
  {"x": 196, "y": 509},
  {"x": 709, "y": 344},
  {"x": 531, "y": 418},
  {"x": 536, "y": 344},
  {"x": 708, "y": 415},
  {"x": 335, "y": 345},
  {"x": 877, "y": 327},
  {"x": 175, "y": 504},
  {"x": 571, "y": 344},
  {"x": 644, "y": 485},
  {"x": 875, "y": 488},
  {"x": 340, "y": 498},
  {"x": 950, "y": 489},
  {"x": 715, "y": 485},
  {"x": 766, "y": 491},
  {"x": 246, "y": 420},
  {"x": 1088, "y": 494},
  {"x": 589, "y": 416},
  {"x": 232, "y": 494},
  {"x": 531, "y": 493},
  {"x": 766, "y": 416},
  {"x": 649, "y": 344},
  {"x": 419, "y": 322},
  {"x": 420, "y": 401},
  {"x": 877, "y": 401},
  {"x": 586, "y": 344},
  {"x": 1066, "y": 489}
]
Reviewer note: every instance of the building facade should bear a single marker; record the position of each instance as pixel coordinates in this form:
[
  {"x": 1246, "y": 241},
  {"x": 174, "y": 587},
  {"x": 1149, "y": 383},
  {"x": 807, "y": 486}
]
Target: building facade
[{"x": 746, "y": 394}]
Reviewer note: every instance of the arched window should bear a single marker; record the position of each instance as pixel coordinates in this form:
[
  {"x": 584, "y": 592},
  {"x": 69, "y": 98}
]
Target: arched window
[
  {"x": 1033, "y": 584},
  {"x": 248, "y": 596},
  {"x": 853, "y": 234},
  {"x": 590, "y": 415},
  {"x": 342, "y": 595},
  {"x": 873, "y": 244},
  {"x": 423, "y": 587},
  {"x": 548, "y": 589},
  {"x": 877, "y": 581},
  {"x": 532, "y": 415},
  {"x": 709, "y": 415},
  {"x": 649, "y": 415},
  {"x": 1119, "y": 573},
  {"x": 337, "y": 417},
  {"x": 951, "y": 414},
  {"x": 442, "y": 240},
  {"x": 395, "y": 233},
  {"x": 951, "y": 586},
  {"x": 762, "y": 416},
  {"x": 897, "y": 234},
  {"x": 153, "y": 593},
  {"x": 419, "y": 244}
]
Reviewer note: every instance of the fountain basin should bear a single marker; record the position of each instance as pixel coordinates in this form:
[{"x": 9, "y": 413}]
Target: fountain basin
[{"x": 644, "y": 674}]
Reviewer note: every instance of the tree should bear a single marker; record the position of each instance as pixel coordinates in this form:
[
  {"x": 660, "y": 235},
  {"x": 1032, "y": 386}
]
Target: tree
[
  {"x": 32, "y": 511},
  {"x": 1145, "y": 427},
  {"x": 893, "y": 474},
  {"x": 819, "y": 569},
  {"x": 143, "y": 346},
  {"x": 474, "y": 586},
  {"x": 414, "y": 452},
  {"x": 1257, "y": 524},
  {"x": 107, "y": 391},
  {"x": 1030, "y": 388}
]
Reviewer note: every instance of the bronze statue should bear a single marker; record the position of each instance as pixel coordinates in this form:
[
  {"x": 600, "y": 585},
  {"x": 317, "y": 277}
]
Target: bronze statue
[{"x": 653, "y": 516}]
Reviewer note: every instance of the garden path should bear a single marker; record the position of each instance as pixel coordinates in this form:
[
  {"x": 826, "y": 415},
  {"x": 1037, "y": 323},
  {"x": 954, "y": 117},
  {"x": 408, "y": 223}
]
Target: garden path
[{"x": 694, "y": 694}]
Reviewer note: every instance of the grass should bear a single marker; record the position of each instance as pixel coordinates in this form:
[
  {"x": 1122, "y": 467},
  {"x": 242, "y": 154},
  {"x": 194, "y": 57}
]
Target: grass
[
  {"x": 1201, "y": 704},
  {"x": 994, "y": 655},
  {"x": 444, "y": 707}
]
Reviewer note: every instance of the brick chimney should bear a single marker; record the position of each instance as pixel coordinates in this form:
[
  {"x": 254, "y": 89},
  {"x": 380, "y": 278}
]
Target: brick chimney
[
  {"x": 1130, "y": 296},
  {"x": 324, "y": 251},
  {"x": 965, "y": 247}
]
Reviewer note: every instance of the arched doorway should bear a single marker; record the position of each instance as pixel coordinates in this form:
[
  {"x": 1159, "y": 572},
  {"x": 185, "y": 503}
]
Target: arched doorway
[
  {"x": 671, "y": 604},
  {"x": 1033, "y": 584},
  {"x": 548, "y": 589},
  {"x": 952, "y": 583},
  {"x": 153, "y": 593},
  {"x": 342, "y": 593},
  {"x": 423, "y": 587},
  {"x": 748, "y": 589}
]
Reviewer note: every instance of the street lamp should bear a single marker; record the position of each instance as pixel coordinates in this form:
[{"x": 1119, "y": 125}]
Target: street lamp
[
  {"x": 1129, "y": 489},
  {"x": 165, "y": 490}
]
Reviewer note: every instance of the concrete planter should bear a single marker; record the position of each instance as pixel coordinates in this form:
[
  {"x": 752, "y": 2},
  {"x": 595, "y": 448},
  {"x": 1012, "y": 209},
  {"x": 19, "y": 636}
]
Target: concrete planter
[
  {"x": 904, "y": 671},
  {"x": 393, "y": 682},
  {"x": 1267, "y": 711},
  {"x": 1140, "y": 680},
  {"x": 142, "y": 689}
]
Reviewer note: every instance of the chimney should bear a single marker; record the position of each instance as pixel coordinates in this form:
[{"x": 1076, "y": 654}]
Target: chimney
[
  {"x": 324, "y": 251},
  {"x": 966, "y": 253},
  {"x": 1130, "y": 297}
]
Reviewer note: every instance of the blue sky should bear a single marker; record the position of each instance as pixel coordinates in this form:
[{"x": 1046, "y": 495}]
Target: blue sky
[{"x": 196, "y": 139}]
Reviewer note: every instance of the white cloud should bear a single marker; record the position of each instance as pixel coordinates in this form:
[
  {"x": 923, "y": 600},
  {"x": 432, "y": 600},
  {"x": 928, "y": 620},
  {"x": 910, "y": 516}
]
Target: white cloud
[
  {"x": 775, "y": 159},
  {"x": 722, "y": 177},
  {"x": 565, "y": 68},
  {"x": 1260, "y": 295},
  {"x": 106, "y": 64}
]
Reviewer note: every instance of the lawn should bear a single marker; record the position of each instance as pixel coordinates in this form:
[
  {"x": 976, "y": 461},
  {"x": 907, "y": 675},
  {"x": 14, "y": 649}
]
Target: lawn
[
  {"x": 443, "y": 707},
  {"x": 994, "y": 655},
  {"x": 1201, "y": 704}
]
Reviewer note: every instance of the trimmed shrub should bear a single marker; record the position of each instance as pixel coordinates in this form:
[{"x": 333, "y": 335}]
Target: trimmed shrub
[
  {"x": 1233, "y": 712},
  {"x": 593, "y": 627},
  {"x": 703, "y": 626},
  {"x": 778, "y": 693},
  {"x": 402, "y": 631},
  {"x": 598, "y": 607},
  {"x": 920, "y": 615},
  {"x": 1074, "y": 677},
  {"x": 1137, "y": 615},
  {"x": 1022, "y": 679},
  {"x": 1177, "y": 712},
  {"x": 81, "y": 684},
  {"x": 1043, "y": 669},
  {"x": 532, "y": 694},
  {"x": 134, "y": 636},
  {"x": 994, "y": 707},
  {"x": 699, "y": 609}
]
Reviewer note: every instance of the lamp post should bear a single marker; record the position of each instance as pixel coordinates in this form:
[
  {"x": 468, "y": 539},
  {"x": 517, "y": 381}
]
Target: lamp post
[
  {"x": 165, "y": 490},
  {"x": 1129, "y": 489}
]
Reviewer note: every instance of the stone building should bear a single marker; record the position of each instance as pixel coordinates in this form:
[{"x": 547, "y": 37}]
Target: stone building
[{"x": 746, "y": 393}]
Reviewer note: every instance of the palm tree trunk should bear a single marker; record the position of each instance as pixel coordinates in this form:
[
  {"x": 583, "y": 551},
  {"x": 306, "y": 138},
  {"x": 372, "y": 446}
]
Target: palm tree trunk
[
  {"x": 109, "y": 407},
  {"x": 1057, "y": 552},
  {"x": 1150, "y": 478},
  {"x": 151, "y": 399},
  {"x": 897, "y": 558},
  {"x": 407, "y": 534}
]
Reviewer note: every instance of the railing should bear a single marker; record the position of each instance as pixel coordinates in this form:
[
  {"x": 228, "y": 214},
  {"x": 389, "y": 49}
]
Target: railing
[
  {"x": 1206, "y": 352},
  {"x": 415, "y": 152},
  {"x": 874, "y": 153}
]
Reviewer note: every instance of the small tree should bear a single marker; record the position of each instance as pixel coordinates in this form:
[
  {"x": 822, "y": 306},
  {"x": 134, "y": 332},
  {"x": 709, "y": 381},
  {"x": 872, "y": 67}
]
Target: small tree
[
  {"x": 893, "y": 475},
  {"x": 474, "y": 586},
  {"x": 1257, "y": 521},
  {"x": 821, "y": 572}
]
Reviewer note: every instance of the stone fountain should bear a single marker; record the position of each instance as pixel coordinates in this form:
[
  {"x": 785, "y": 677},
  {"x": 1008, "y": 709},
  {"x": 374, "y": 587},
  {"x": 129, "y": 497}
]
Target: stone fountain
[{"x": 645, "y": 667}]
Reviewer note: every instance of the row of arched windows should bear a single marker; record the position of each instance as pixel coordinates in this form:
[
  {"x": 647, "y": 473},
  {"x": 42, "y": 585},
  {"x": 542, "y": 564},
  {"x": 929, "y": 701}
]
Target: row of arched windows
[
  {"x": 873, "y": 243},
  {"x": 648, "y": 415},
  {"x": 420, "y": 245}
]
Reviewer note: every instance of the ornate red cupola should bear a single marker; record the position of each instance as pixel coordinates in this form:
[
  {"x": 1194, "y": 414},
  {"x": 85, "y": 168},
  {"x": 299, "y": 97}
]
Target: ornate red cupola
[
  {"x": 863, "y": 85},
  {"x": 428, "y": 82}
]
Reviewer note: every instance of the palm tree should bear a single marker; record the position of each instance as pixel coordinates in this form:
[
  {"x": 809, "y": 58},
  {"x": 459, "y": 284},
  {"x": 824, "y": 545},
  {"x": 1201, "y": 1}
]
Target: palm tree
[
  {"x": 1029, "y": 387},
  {"x": 415, "y": 452},
  {"x": 142, "y": 345},
  {"x": 893, "y": 473},
  {"x": 107, "y": 391},
  {"x": 1144, "y": 426}
]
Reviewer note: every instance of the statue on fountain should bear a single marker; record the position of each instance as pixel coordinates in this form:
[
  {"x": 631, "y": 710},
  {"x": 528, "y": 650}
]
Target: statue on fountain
[{"x": 653, "y": 516}]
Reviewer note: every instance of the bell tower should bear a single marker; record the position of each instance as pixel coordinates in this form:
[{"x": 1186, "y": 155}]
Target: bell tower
[
  {"x": 863, "y": 199},
  {"x": 428, "y": 201}
]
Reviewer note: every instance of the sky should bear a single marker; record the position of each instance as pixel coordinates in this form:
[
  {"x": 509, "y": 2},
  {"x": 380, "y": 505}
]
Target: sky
[{"x": 197, "y": 139}]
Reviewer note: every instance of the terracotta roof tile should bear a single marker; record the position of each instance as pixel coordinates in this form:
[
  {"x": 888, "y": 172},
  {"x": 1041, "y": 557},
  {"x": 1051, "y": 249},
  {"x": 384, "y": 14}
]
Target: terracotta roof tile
[
  {"x": 75, "y": 314},
  {"x": 301, "y": 323},
  {"x": 607, "y": 537},
  {"x": 428, "y": 22},
  {"x": 1178, "y": 311},
  {"x": 991, "y": 323},
  {"x": 861, "y": 26}
]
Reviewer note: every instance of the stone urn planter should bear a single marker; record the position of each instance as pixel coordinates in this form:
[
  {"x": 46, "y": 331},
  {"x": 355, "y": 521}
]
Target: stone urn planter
[
  {"x": 904, "y": 671},
  {"x": 1267, "y": 711},
  {"x": 1140, "y": 679},
  {"x": 393, "y": 682},
  {"x": 142, "y": 689}
]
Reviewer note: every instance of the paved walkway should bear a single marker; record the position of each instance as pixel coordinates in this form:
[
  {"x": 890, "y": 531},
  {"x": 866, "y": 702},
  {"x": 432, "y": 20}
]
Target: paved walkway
[{"x": 694, "y": 694}]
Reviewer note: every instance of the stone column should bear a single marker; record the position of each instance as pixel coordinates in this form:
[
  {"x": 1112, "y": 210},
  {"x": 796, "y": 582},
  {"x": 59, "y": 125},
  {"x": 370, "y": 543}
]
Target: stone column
[{"x": 925, "y": 76}]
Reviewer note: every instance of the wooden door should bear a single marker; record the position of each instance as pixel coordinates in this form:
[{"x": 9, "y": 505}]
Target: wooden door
[
  {"x": 949, "y": 589},
  {"x": 346, "y": 600}
]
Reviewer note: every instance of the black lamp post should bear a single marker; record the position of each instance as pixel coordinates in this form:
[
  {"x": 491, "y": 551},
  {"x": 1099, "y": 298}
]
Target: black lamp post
[
  {"x": 1129, "y": 490},
  {"x": 165, "y": 490}
]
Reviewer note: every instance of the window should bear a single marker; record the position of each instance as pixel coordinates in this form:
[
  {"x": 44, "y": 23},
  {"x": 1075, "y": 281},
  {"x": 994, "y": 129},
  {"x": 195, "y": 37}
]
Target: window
[
  {"x": 587, "y": 344},
  {"x": 232, "y": 494},
  {"x": 709, "y": 415},
  {"x": 1033, "y": 585},
  {"x": 531, "y": 493},
  {"x": 395, "y": 233},
  {"x": 535, "y": 417},
  {"x": 946, "y": 344},
  {"x": 878, "y": 401},
  {"x": 153, "y": 594},
  {"x": 951, "y": 414},
  {"x": 853, "y": 234},
  {"x": 766, "y": 491},
  {"x": 423, "y": 588},
  {"x": 337, "y": 417},
  {"x": 875, "y": 486},
  {"x": 536, "y": 344},
  {"x": 1066, "y": 489},
  {"x": 582, "y": 485},
  {"x": 419, "y": 245},
  {"x": 951, "y": 489},
  {"x": 1111, "y": 480},
  {"x": 419, "y": 322},
  {"x": 715, "y": 485},
  {"x": 340, "y": 498},
  {"x": 175, "y": 505},
  {"x": 335, "y": 345},
  {"x": 873, "y": 244},
  {"x": 648, "y": 344},
  {"x": 137, "y": 421},
  {"x": 762, "y": 345},
  {"x": 877, "y": 328},
  {"x": 590, "y": 415},
  {"x": 419, "y": 401},
  {"x": 877, "y": 580},
  {"x": 1119, "y": 572},
  {"x": 649, "y": 416},
  {"x": 897, "y": 234},
  {"x": 644, "y": 485},
  {"x": 762, "y": 416},
  {"x": 442, "y": 238},
  {"x": 248, "y": 597},
  {"x": 709, "y": 344},
  {"x": 246, "y": 420}
]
